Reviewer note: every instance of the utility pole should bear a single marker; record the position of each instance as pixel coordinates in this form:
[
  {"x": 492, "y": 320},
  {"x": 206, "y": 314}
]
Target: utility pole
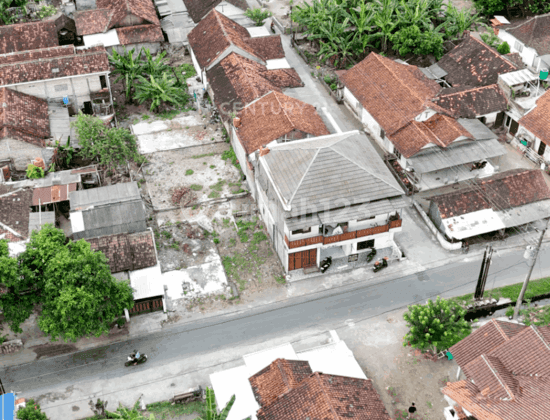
[
  {"x": 532, "y": 265},
  {"x": 483, "y": 272}
]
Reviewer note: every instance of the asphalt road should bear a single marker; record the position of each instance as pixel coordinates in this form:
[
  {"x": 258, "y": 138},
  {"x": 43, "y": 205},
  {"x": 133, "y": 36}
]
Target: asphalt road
[{"x": 329, "y": 309}]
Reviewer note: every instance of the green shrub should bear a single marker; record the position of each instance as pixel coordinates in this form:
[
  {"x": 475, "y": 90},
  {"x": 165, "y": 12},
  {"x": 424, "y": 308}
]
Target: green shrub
[
  {"x": 196, "y": 187},
  {"x": 35, "y": 172},
  {"x": 258, "y": 15},
  {"x": 504, "y": 48},
  {"x": 31, "y": 411},
  {"x": 189, "y": 172}
]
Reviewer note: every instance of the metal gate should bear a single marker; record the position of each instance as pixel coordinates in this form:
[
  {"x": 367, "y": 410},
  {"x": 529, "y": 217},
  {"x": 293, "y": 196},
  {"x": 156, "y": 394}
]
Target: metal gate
[
  {"x": 147, "y": 305},
  {"x": 304, "y": 259}
]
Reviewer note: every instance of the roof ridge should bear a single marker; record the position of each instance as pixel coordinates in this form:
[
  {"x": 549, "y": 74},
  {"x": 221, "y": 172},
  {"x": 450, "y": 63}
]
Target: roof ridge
[
  {"x": 283, "y": 372},
  {"x": 508, "y": 390},
  {"x": 329, "y": 401},
  {"x": 467, "y": 90},
  {"x": 500, "y": 330},
  {"x": 303, "y": 176},
  {"x": 441, "y": 144},
  {"x": 283, "y": 108},
  {"x": 535, "y": 329},
  {"x": 399, "y": 79},
  {"x": 239, "y": 62}
]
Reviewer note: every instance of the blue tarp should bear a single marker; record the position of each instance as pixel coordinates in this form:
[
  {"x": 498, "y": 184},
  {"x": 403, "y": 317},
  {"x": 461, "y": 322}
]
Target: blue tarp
[{"x": 7, "y": 407}]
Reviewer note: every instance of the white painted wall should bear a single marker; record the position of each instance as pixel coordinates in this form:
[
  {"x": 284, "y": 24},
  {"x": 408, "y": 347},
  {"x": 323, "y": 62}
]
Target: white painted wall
[
  {"x": 425, "y": 115},
  {"x": 489, "y": 118},
  {"x": 296, "y": 237},
  {"x": 229, "y": 10},
  {"x": 195, "y": 63},
  {"x": 527, "y": 54}
]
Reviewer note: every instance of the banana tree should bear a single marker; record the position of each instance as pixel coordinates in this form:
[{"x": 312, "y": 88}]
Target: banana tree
[
  {"x": 127, "y": 66},
  {"x": 457, "y": 21},
  {"x": 159, "y": 90},
  {"x": 212, "y": 408},
  {"x": 128, "y": 414},
  {"x": 362, "y": 18},
  {"x": 385, "y": 19},
  {"x": 154, "y": 66}
]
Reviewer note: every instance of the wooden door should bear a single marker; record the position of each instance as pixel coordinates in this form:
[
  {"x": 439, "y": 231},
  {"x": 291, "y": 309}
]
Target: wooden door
[
  {"x": 499, "y": 120},
  {"x": 303, "y": 259},
  {"x": 514, "y": 127}
]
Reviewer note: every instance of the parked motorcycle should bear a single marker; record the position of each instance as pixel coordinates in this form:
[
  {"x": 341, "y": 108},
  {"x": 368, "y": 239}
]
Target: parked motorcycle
[
  {"x": 372, "y": 254},
  {"x": 142, "y": 359},
  {"x": 380, "y": 264},
  {"x": 325, "y": 264}
]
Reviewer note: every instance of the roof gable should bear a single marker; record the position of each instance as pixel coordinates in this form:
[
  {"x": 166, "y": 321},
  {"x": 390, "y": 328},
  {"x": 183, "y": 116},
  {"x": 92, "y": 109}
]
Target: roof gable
[
  {"x": 393, "y": 93},
  {"x": 474, "y": 63},
  {"x": 28, "y": 36},
  {"x": 276, "y": 115},
  {"x": 471, "y": 102},
  {"x": 216, "y": 32},
  {"x": 534, "y": 33},
  {"x": 198, "y": 9}
]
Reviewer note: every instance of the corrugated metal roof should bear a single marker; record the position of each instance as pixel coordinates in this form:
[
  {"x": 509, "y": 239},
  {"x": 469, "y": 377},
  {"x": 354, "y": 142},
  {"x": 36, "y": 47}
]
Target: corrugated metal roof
[
  {"x": 362, "y": 211},
  {"x": 329, "y": 172},
  {"x": 37, "y": 220},
  {"x": 117, "y": 193},
  {"x": 433, "y": 72},
  {"x": 457, "y": 155},
  {"x": 57, "y": 178},
  {"x": 518, "y": 77},
  {"x": 477, "y": 129},
  {"x": 528, "y": 213},
  {"x": 126, "y": 217}
]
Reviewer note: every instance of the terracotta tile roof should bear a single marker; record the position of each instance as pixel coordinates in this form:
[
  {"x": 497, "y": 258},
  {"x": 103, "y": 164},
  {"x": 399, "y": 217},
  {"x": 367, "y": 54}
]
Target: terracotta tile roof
[
  {"x": 277, "y": 378},
  {"x": 471, "y": 102},
  {"x": 438, "y": 129},
  {"x": 394, "y": 94},
  {"x": 198, "y": 9},
  {"x": 237, "y": 81},
  {"x": 126, "y": 252},
  {"x": 110, "y": 13},
  {"x": 537, "y": 121},
  {"x": 139, "y": 33},
  {"x": 23, "y": 117},
  {"x": 94, "y": 21},
  {"x": 516, "y": 60},
  {"x": 52, "y": 194},
  {"x": 14, "y": 215},
  {"x": 474, "y": 63},
  {"x": 530, "y": 405},
  {"x": 216, "y": 32},
  {"x": 510, "y": 375},
  {"x": 85, "y": 61},
  {"x": 17, "y": 57},
  {"x": 28, "y": 36},
  {"x": 534, "y": 33},
  {"x": 506, "y": 190},
  {"x": 327, "y": 397},
  {"x": 275, "y": 115}
]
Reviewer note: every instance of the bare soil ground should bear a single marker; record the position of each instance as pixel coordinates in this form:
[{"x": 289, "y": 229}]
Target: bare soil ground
[{"x": 401, "y": 375}]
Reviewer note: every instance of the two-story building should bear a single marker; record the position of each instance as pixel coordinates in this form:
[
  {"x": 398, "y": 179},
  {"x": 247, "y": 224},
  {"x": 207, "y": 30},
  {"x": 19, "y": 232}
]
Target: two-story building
[{"x": 327, "y": 196}]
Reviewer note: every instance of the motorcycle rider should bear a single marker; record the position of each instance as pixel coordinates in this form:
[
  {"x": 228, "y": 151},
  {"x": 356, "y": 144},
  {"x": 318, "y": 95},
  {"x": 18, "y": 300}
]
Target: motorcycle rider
[{"x": 134, "y": 357}]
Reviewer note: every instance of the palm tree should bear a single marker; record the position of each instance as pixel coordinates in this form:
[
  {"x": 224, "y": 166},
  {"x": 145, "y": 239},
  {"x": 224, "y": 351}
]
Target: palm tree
[
  {"x": 159, "y": 90},
  {"x": 127, "y": 67},
  {"x": 154, "y": 66},
  {"x": 212, "y": 408}
]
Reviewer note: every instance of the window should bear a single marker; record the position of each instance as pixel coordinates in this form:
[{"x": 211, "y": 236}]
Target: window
[
  {"x": 396, "y": 153},
  {"x": 301, "y": 231},
  {"x": 518, "y": 46},
  {"x": 382, "y": 133},
  {"x": 365, "y": 219},
  {"x": 365, "y": 244},
  {"x": 103, "y": 82}
]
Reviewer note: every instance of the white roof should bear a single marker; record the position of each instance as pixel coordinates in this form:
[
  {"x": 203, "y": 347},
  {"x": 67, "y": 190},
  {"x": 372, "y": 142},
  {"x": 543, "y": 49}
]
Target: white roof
[
  {"x": 227, "y": 383},
  {"x": 147, "y": 282},
  {"x": 517, "y": 77},
  {"x": 502, "y": 20},
  {"x": 256, "y": 31},
  {"x": 472, "y": 224},
  {"x": 77, "y": 221},
  {"x": 108, "y": 39},
  {"x": 279, "y": 63}
]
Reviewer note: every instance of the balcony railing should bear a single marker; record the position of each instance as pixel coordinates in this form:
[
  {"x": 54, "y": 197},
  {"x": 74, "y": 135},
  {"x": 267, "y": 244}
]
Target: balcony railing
[{"x": 325, "y": 240}]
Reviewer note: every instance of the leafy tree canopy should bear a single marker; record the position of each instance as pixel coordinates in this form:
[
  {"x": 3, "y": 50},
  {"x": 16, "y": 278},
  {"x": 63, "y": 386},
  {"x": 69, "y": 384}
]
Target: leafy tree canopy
[
  {"x": 74, "y": 285},
  {"x": 435, "y": 326},
  {"x": 31, "y": 411}
]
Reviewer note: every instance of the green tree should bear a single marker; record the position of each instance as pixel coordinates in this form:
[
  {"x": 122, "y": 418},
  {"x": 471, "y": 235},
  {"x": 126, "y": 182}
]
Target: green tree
[
  {"x": 257, "y": 15},
  {"x": 109, "y": 146},
  {"x": 127, "y": 67},
  {"x": 5, "y": 16},
  {"x": 435, "y": 326},
  {"x": 79, "y": 296},
  {"x": 154, "y": 66},
  {"x": 385, "y": 19},
  {"x": 504, "y": 48},
  {"x": 212, "y": 408},
  {"x": 411, "y": 39},
  {"x": 31, "y": 411},
  {"x": 458, "y": 21},
  {"x": 34, "y": 172},
  {"x": 160, "y": 90}
]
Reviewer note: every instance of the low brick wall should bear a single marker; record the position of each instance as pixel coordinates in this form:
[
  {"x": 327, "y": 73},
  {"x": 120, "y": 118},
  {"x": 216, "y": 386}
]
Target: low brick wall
[{"x": 12, "y": 346}]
